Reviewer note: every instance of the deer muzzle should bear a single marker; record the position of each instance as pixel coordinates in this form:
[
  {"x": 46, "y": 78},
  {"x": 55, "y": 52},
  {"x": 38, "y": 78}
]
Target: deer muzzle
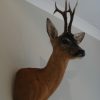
[{"x": 80, "y": 53}]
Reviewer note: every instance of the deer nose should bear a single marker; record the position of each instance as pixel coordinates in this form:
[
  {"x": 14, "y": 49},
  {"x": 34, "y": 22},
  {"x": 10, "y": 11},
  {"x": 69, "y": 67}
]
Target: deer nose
[{"x": 81, "y": 53}]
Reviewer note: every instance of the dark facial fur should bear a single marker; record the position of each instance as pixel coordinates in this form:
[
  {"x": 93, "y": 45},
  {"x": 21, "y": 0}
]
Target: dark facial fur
[{"x": 70, "y": 46}]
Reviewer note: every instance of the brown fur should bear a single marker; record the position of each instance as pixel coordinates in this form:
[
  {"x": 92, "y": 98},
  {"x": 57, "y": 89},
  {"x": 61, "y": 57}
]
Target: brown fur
[{"x": 39, "y": 84}]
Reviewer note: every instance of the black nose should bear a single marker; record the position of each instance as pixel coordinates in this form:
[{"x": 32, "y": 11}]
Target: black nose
[{"x": 81, "y": 53}]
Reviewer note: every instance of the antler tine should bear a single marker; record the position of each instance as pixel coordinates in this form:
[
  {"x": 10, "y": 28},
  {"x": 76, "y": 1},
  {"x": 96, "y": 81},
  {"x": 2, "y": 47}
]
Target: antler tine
[
  {"x": 71, "y": 16},
  {"x": 69, "y": 10},
  {"x": 64, "y": 14},
  {"x": 65, "y": 17},
  {"x": 66, "y": 5},
  {"x": 57, "y": 10}
]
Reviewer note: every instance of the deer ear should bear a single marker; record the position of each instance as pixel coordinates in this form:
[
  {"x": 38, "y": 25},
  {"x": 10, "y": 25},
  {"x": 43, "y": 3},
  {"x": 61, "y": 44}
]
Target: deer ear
[
  {"x": 52, "y": 32},
  {"x": 79, "y": 37}
]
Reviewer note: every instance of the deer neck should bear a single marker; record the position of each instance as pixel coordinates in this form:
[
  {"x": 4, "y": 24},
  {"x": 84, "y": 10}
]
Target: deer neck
[{"x": 55, "y": 69}]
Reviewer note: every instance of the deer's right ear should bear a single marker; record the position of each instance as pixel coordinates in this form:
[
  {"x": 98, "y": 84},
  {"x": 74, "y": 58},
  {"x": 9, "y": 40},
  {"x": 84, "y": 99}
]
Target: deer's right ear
[{"x": 52, "y": 32}]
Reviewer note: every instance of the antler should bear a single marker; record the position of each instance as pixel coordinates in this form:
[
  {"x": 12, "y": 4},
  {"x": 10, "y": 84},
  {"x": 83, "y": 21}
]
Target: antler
[
  {"x": 64, "y": 14},
  {"x": 67, "y": 28},
  {"x": 71, "y": 16}
]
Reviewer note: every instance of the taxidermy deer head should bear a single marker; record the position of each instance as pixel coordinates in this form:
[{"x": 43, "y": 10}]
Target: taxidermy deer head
[{"x": 68, "y": 42}]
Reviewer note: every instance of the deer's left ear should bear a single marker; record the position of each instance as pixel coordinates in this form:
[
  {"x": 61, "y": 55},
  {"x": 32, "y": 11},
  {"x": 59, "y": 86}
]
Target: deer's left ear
[
  {"x": 52, "y": 31},
  {"x": 79, "y": 37}
]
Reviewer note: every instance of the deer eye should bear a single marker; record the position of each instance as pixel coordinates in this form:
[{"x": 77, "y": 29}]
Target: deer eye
[{"x": 65, "y": 41}]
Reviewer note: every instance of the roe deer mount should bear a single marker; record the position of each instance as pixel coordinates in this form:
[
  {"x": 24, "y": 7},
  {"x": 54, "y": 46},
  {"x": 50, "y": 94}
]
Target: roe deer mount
[{"x": 39, "y": 84}]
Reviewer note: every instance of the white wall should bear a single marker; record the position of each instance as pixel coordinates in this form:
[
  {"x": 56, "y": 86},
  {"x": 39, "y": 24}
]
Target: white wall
[{"x": 24, "y": 42}]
